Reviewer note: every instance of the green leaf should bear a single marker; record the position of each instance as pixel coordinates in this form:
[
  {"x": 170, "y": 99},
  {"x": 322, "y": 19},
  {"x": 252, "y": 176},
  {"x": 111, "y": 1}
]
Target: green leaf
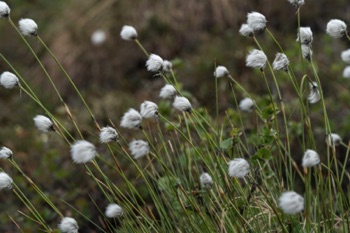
[
  {"x": 263, "y": 154},
  {"x": 227, "y": 143},
  {"x": 167, "y": 183},
  {"x": 269, "y": 112}
]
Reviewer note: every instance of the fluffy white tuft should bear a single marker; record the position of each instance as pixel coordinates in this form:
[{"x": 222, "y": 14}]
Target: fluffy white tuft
[
  {"x": 4, "y": 10},
  {"x": 113, "y": 211},
  {"x": 333, "y": 139},
  {"x": 149, "y": 109},
  {"x": 182, "y": 104},
  {"x": 345, "y": 56},
  {"x": 221, "y": 71},
  {"x": 310, "y": 158},
  {"x": 154, "y": 63},
  {"x": 68, "y": 225},
  {"x": 8, "y": 80},
  {"x": 238, "y": 168},
  {"x": 5, "y": 153},
  {"x": 167, "y": 92},
  {"x": 314, "y": 93},
  {"x": 28, "y": 27},
  {"x": 246, "y": 105},
  {"x": 256, "y": 21},
  {"x": 291, "y": 202},
  {"x": 108, "y": 134},
  {"x": 281, "y": 62},
  {"x": 296, "y": 3},
  {"x": 256, "y": 59},
  {"x": 246, "y": 30},
  {"x": 43, "y": 123},
  {"x": 206, "y": 180},
  {"x": 305, "y": 37},
  {"x": 346, "y": 72},
  {"x": 131, "y": 120},
  {"x": 128, "y": 33},
  {"x": 306, "y": 51},
  {"x": 167, "y": 65},
  {"x": 138, "y": 148},
  {"x": 336, "y": 28},
  {"x": 82, "y": 151},
  {"x": 5, "y": 181}
]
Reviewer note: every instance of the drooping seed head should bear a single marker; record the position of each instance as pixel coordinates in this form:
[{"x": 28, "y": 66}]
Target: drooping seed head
[
  {"x": 221, "y": 71},
  {"x": 256, "y": 21},
  {"x": 246, "y": 105},
  {"x": 345, "y": 56},
  {"x": 281, "y": 62},
  {"x": 5, "y": 153},
  {"x": 314, "y": 93},
  {"x": 8, "y": 80},
  {"x": 310, "y": 158},
  {"x": 305, "y": 36},
  {"x": 154, "y": 63},
  {"x": 114, "y": 211},
  {"x": 346, "y": 72},
  {"x": 138, "y": 148},
  {"x": 333, "y": 139},
  {"x": 4, "y": 10},
  {"x": 5, "y": 181},
  {"x": 128, "y": 33},
  {"x": 149, "y": 109},
  {"x": 83, "y": 151},
  {"x": 182, "y": 104},
  {"x": 43, "y": 123},
  {"x": 108, "y": 134},
  {"x": 336, "y": 28},
  {"x": 291, "y": 202},
  {"x": 206, "y": 180},
  {"x": 28, "y": 27},
  {"x": 98, "y": 37},
  {"x": 68, "y": 225},
  {"x": 246, "y": 30},
  {"x": 256, "y": 59},
  {"x": 167, "y": 92},
  {"x": 131, "y": 120},
  {"x": 238, "y": 168},
  {"x": 296, "y": 3}
]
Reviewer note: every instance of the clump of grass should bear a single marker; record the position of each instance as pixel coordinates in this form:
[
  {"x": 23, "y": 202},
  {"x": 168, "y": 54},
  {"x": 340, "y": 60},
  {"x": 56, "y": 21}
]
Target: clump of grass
[{"x": 199, "y": 173}]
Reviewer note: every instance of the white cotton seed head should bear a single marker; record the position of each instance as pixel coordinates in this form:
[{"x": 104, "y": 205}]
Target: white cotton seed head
[
  {"x": 5, "y": 181},
  {"x": 82, "y": 151},
  {"x": 306, "y": 51},
  {"x": 346, "y": 72},
  {"x": 221, "y": 71},
  {"x": 131, "y": 120},
  {"x": 314, "y": 93},
  {"x": 291, "y": 202},
  {"x": 256, "y": 21},
  {"x": 296, "y": 3},
  {"x": 5, "y": 153},
  {"x": 138, "y": 148},
  {"x": 310, "y": 158},
  {"x": 43, "y": 123},
  {"x": 336, "y": 28},
  {"x": 108, "y": 134},
  {"x": 246, "y": 30},
  {"x": 28, "y": 27},
  {"x": 113, "y": 211},
  {"x": 246, "y": 105},
  {"x": 68, "y": 225},
  {"x": 98, "y": 37},
  {"x": 182, "y": 104},
  {"x": 8, "y": 80},
  {"x": 149, "y": 109},
  {"x": 333, "y": 139},
  {"x": 305, "y": 36},
  {"x": 281, "y": 62},
  {"x": 238, "y": 168},
  {"x": 4, "y": 10},
  {"x": 345, "y": 56},
  {"x": 154, "y": 63},
  {"x": 206, "y": 180},
  {"x": 167, "y": 92},
  {"x": 256, "y": 59},
  {"x": 128, "y": 33},
  {"x": 167, "y": 66}
]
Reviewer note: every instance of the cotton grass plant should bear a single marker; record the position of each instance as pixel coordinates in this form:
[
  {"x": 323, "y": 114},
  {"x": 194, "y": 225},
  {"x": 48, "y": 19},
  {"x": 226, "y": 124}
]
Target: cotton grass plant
[{"x": 193, "y": 172}]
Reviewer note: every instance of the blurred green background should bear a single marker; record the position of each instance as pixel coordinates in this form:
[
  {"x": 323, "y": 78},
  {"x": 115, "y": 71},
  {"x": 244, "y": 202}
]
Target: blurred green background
[{"x": 113, "y": 78}]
